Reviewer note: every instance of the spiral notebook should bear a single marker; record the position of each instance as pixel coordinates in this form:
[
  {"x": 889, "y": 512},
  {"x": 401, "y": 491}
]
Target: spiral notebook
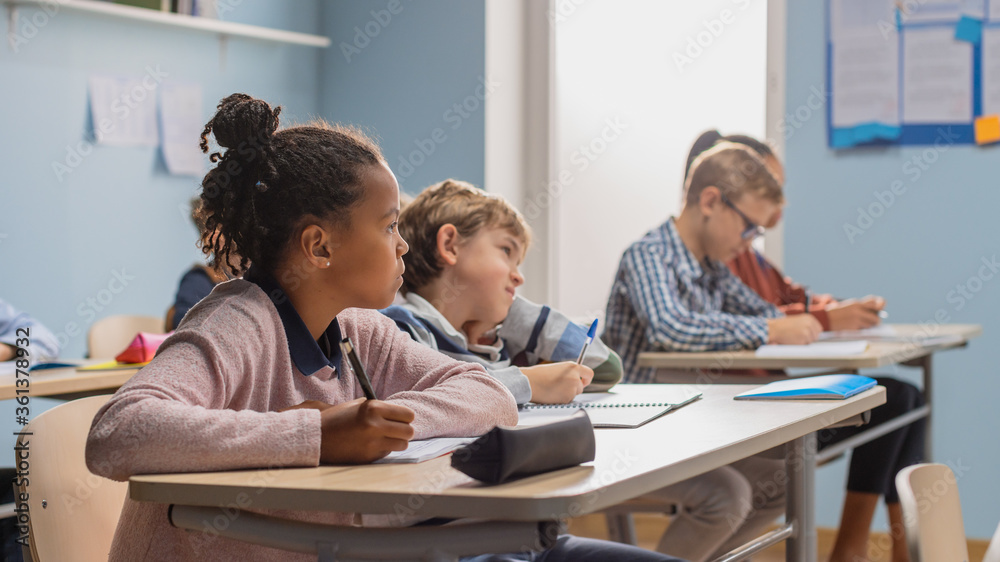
[{"x": 624, "y": 406}]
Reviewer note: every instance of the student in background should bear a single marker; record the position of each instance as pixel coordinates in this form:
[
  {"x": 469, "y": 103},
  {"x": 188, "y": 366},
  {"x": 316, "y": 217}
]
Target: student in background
[
  {"x": 763, "y": 277},
  {"x": 198, "y": 281},
  {"x": 253, "y": 377},
  {"x": 17, "y": 329},
  {"x": 466, "y": 247},
  {"x": 673, "y": 291},
  {"x": 873, "y": 465}
]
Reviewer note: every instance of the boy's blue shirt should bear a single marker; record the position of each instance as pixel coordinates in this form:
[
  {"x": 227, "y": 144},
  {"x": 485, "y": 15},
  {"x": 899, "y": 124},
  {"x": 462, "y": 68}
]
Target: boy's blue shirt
[
  {"x": 530, "y": 334},
  {"x": 44, "y": 345}
]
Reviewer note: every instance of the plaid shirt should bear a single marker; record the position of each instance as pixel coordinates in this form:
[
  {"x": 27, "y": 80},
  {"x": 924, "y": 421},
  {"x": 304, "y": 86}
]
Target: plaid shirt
[{"x": 664, "y": 300}]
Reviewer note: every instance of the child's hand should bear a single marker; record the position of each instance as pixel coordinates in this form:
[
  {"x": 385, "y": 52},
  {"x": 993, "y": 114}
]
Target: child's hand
[
  {"x": 557, "y": 383},
  {"x": 362, "y": 431},
  {"x": 856, "y": 314},
  {"x": 798, "y": 329}
]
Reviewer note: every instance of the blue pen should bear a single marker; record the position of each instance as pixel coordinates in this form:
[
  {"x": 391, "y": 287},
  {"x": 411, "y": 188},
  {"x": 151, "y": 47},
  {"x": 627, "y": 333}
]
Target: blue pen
[{"x": 590, "y": 338}]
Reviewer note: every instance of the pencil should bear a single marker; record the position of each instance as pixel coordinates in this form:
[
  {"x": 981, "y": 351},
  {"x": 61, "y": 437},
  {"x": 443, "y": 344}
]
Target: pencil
[{"x": 347, "y": 346}]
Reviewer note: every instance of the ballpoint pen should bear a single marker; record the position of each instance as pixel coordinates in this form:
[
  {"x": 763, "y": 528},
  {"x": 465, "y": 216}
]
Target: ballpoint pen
[
  {"x": 590, "y": 338},
  {"x": 347, "y": 347}
]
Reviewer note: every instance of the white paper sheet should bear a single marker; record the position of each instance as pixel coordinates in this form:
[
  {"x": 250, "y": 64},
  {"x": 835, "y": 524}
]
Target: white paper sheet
[
  {"x": 937, "y": 77},
  {"x": 882, "y": 332},
  {"x": 849, "y": 18},
  {"x": 864, "y": 63},
  {"x": 181, "y": 122},
  {"x": 865, "y": 81},
  {"x": 818, "y": 349},
  {"x": 123, "y": 111},
  {"x": 426, "y": 449},
  {"x": 991, "y": 69}
]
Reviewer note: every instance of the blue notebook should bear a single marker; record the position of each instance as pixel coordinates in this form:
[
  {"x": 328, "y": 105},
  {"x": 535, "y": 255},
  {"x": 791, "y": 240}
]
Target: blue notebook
[{"x": 824, "y": 387}]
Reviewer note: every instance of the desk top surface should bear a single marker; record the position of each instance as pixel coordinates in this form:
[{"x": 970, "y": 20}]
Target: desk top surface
[
  {"x": 878, "y": 354},
  {"x": 50, "y": 382},
  {"x": 711, "y": 432}
]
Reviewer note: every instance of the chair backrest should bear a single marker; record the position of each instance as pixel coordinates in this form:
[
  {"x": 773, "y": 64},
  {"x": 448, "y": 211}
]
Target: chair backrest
[
  {"x": 110, "y": 336},
  {"x": 932, "y": 513},
  {"x": 72, "y": 512},
  {"x": 993, "y": 552},
  {"x": 168, "y": 321}
]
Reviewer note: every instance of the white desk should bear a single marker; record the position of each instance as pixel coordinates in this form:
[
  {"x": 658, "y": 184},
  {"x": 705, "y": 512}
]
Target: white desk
[
  {"x": 878, "y": 354},
  {"x": 712, "y": 432},
  {"x": 916, "y": 351},
  {"x": 66, "y": 382}
]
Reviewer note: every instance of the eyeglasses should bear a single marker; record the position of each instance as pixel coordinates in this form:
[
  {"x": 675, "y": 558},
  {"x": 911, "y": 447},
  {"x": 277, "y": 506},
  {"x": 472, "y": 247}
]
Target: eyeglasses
[{"x": 753, "y": 230}]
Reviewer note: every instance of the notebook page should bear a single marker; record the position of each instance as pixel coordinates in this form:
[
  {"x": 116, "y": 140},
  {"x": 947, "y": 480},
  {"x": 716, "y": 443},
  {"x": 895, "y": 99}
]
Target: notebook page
[{"x": 426, "y": 449}]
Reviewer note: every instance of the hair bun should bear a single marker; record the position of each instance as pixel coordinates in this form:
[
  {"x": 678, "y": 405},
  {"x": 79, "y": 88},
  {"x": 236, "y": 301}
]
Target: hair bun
[
  {"x": 706, "y": 140},
  {"x": 241, "y": 120}
]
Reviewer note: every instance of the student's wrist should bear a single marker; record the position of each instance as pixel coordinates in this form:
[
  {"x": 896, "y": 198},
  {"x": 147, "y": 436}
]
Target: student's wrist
[
  {"x": 767, "y": 331},
  {"x": 7, "y": 352}
]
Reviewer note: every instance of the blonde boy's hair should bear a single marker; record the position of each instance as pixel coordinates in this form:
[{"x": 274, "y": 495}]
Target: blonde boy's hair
[
  {"x": 458, "y": 203},
  {"x": 735, "y": 170}
]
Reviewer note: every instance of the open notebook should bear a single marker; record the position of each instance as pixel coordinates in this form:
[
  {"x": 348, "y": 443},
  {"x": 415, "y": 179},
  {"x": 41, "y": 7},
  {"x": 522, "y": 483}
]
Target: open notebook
[{"x": 624, "y": 406}]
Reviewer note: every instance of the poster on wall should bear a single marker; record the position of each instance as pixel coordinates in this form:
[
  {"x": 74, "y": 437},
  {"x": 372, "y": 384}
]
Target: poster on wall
[{"x": 913, "y": 73}]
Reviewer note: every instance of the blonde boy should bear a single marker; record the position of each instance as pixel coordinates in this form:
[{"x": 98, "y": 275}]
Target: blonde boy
[
  {"x": 461, "y": 272},
  {"x": 466, "y": 247}
]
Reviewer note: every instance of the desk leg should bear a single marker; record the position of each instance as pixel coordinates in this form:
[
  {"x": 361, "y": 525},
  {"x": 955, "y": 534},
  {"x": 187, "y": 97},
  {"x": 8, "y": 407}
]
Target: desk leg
[
  {"x": 926, "y": 364},
  {"x": 800, "y": 464}
]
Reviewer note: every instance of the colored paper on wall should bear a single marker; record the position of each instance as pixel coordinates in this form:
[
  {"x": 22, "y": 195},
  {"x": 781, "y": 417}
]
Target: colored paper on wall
[
  {"x": 987, "y": 129},
  {"x": 969, "y": 29}
]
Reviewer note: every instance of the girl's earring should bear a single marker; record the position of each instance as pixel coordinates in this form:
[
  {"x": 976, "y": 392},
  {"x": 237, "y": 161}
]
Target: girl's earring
[{"x": 328, "y": 264}]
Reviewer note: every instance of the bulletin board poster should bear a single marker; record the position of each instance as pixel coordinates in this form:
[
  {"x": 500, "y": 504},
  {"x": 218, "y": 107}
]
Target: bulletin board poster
[{"x": 913, "y": 72}]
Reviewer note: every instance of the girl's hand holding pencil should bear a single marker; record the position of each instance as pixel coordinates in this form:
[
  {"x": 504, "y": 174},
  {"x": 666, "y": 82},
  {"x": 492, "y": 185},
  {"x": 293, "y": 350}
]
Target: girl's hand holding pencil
[{"x": 363, "y": 431}]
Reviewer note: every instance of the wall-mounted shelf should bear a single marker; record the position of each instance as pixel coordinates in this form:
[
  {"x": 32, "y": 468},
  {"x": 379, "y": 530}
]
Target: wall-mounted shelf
[{"x": 222, "y": 28}]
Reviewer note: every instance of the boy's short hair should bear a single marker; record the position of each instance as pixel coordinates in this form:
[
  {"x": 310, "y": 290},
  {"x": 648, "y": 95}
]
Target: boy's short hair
[
  {"x": 458, "y": 203},
  {"x": 735, "y": 170}
]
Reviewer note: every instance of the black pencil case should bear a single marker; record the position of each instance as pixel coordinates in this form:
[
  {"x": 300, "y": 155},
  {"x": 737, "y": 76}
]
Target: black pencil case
[{"x": 509, "y": 453}]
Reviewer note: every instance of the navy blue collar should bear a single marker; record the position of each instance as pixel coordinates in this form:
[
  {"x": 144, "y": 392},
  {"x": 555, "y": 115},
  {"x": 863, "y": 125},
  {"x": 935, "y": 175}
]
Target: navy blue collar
[{"x": 308, "y": 355}]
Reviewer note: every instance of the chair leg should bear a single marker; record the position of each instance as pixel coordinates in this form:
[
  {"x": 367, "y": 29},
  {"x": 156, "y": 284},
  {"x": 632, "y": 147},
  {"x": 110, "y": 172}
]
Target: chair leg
[{"x": 621, "y": 528}]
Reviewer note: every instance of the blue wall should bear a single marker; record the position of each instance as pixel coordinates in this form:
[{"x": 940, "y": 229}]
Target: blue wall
[
  {"x": 413, "y": 74},
  {"x": 932, "y": 237},
  {"x": 62, "y": 242},
  {"x": 118, "y": 210},
  {"x": 119, "y": 214}
]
